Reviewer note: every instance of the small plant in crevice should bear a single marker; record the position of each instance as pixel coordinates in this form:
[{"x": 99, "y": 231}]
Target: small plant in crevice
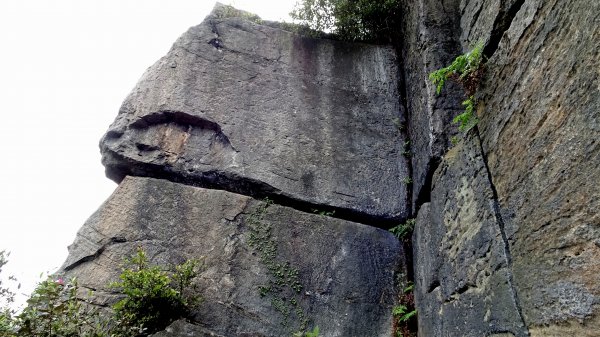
[
  {"x": 404, "y": 231},
  {"x": 398, "y": 124},
  {"x": 324, "y": 213},
  {"x": 405, "y": 314},
  {"x": 406, "y": 148},
  {"x": 313, "y": 333},
  {"x": 284, "y": 285},
  {"x": 228, "y": 11},
  {"x": 407, "y": 180},
  {"x": 467, "y": 70}
]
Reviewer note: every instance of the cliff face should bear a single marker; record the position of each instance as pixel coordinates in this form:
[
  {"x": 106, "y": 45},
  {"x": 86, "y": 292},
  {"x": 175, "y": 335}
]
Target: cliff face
[{"x": 507, "y": 235}]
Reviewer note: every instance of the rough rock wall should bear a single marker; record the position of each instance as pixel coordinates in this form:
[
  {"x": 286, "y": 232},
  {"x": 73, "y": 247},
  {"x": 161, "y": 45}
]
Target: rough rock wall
[
  {"x": 508, "y": 243},
  {"x": 260, "y": 111},
  {"x": 507, "y": 239},
  {"x": 235, "y": 112},
  {"x": 347, "y": 271},
  {"x": 429, "y": 41}
]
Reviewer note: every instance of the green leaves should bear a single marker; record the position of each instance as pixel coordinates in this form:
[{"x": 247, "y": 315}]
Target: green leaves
[
  {"x": 153, "y": 298},
  {"x": 467, "y": 70},
  {"x": 313, "y": 333},
  {"x": 54, "y": 309},
  {"x": 461, "y": 67},
  {"x": 403, "y": 230},
  {"x": 354, "y": 20},
  {"x": 466, "y": 120}
]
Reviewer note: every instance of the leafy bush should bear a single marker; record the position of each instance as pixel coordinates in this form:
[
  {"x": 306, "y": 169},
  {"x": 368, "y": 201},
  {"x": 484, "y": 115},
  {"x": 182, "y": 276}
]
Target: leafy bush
[
  {"x": 6, "y": 299},
  {"x": 354, "y": 20},
  {"x": 54, "y": 309},
  {"x": 153, "y": 298},
  {"x": 467, "y": 70}
]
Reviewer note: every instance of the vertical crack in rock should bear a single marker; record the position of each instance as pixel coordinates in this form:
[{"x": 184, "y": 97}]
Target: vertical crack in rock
[
  {"x": 403, "y": 126},
  {"x": 501, "y": 25},
  {"x": 497, "y": 213},
  {"x": 425, "y": 191}
]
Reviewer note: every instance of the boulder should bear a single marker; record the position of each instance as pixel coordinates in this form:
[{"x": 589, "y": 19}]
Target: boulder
[
  {"x": 248, "y": 108},
  {"x": 346, "y": 272}
]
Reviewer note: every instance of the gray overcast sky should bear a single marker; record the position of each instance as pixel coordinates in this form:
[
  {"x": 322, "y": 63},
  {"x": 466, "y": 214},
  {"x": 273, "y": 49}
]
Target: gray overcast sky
[{"x": 65, "y": 68}]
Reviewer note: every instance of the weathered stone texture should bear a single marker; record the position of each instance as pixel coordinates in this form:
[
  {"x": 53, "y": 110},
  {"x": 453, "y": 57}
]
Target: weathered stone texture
[
  {"x": 256, "y": 110},
  {"x": 485, "y": 21},
  {"x": 348, "y": 270},
  {"x": 429, "y": 42},
  {"x": 463, "y": 283},
  {"x": 539, "y": 110},
  {"x": 540, "y": 121}
]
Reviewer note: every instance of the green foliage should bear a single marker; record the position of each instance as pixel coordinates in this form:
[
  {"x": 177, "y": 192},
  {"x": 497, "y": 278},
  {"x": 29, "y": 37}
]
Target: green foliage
[
  {"x": 406, "y": 149},
  {"x": 467, "y": 120},
  {"x": 467, "y": 70},
  {"x": 284, "y": 284},
  {"x": 354, "y": 20},
  {"x": 404, "y": 230},
  {"x": 54, "y": 309},
  {"x": 402, "y": 314},
  {"x": 324, "y": 213},
  {"x": 461, "y": 68},
  {"x": 7, "y": 297},
  {"x": 407, "y": 180},
  {"x": 153, "y": 298},
  {"x": 313, "y": 333},
  {"x": 405, "y": 313},
  {"x": 398, "y": 123},
  {"x": 227, "y": 11}
]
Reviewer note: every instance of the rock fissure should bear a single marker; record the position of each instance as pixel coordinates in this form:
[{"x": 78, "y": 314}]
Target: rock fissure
[
  {"x": 220, "y": 180},
  {"x": 501, "y": 25},
  {"x": 503, "y": 243},
  {"x": 506, "y": 244},
  {"x": 91, "y": 257}
]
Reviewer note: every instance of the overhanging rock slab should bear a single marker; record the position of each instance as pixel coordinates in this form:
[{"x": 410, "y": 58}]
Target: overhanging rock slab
[{"x": 257, "y": 110}]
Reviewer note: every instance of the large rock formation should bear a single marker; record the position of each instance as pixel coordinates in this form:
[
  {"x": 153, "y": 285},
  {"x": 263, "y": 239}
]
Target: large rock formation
[
  {"x": 238, "y": 111},
  {"x": 346, "y": 271},
  {"x": 507, "y": 237},
  {"x": 257, "y": 110}
]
